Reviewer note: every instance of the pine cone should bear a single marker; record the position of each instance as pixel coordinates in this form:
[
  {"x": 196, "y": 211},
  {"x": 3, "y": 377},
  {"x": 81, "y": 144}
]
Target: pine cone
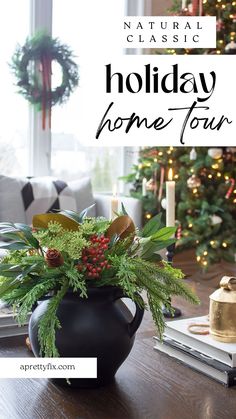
[{"x": 54, "y": 258}]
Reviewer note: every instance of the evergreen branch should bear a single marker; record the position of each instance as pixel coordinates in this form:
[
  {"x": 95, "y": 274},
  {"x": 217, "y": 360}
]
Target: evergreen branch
[
  {"x": 49, "y": 323},
  {"x": 31, "y": 297},
  {"x": 125, "y": 274},
  {"x": 157, "y": 315},
  {"x": 77, "y": 281},
  {"x": 173, "y": 278},
  {"x": 17, "y": 294},
  {"x": 169, "y": 276}
]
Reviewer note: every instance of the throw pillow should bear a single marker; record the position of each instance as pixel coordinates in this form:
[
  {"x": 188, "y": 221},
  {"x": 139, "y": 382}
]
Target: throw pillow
[
  {"x": 46, "y": 194},
  {"x": 21, "y": 198}
]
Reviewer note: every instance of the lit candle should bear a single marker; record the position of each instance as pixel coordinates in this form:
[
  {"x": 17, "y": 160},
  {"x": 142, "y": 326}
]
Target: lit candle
[
  {"x": 170, "y": 200},
  {"x": 144, "y": 187},
  {"x": 114, "y": 204}
]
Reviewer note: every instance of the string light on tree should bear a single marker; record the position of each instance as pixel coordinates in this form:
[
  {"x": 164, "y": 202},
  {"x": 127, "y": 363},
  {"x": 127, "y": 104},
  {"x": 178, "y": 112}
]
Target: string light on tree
[
  {"x": 205, "y": 205},
  {"x": 225, "y": 12}
]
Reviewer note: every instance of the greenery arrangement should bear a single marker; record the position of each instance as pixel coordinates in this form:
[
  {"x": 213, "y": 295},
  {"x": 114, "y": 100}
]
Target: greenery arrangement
[
  {"x": 67, "y": 250},
  {"x": 205, "y": 196},
  {"x": 31, "y": 65}
]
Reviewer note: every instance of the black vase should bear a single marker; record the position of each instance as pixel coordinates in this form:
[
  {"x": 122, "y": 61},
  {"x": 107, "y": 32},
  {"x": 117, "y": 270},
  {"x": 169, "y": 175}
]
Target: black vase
[{"x": 99, "y": 326}]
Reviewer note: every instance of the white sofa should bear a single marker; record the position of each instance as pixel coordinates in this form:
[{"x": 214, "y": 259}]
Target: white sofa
[{"x": 21, "y": 198}]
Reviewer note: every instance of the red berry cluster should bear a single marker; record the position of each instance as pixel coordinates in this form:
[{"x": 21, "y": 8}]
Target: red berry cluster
[{"x": 93, "y": 257}]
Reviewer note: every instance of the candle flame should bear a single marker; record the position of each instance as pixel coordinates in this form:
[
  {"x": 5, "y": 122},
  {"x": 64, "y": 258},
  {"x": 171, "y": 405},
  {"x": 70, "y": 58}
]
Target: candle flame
[{"x": 170, "y": 174}]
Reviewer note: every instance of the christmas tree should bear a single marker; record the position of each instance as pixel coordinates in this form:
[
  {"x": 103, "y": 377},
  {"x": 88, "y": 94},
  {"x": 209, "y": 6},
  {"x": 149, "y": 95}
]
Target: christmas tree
[
  {"x": 205, "y": 196},
  {"x": 225, "y": 12}
]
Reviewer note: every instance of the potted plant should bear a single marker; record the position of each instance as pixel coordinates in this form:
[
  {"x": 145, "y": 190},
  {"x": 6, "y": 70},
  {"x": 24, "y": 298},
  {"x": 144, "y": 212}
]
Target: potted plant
[{"x": 81, "y": 267}]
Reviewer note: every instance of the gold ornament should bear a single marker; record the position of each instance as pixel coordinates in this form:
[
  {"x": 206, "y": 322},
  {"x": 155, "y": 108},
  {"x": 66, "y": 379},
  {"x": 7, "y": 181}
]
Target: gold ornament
[
  {"x": 223, "y": 311},
  {"x": 194, "y": 182}
]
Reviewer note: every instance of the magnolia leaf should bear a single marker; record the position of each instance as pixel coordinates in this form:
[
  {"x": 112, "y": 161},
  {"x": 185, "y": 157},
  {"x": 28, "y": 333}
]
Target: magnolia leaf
[
  {"x": 123, "y": 209},
  {"x": 6, "y": 225},
  {"x": 150, "y": 247},
  {"x": 15, "y": 246},
  {"x": 113, "y": 240},
  {"x": 72, "y": 215},
  {"x": 122, "y": 226},
  {"x": 83, "y": 214},
  {"x": 42, "y": 221},
  {"x": 12, "y": 234},
  {"x": 27, "y": 233},
  {"x": 164, "y": 233},
  {"x": 152, "y": 226},
  {"x": 75, "y": 216},
  {"x": 9, "y": 229},
  {"x": 20, "y": 232}
]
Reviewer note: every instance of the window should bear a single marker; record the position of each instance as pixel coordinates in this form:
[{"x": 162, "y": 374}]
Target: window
[
  {"x": 69, "y": 159},
  {"x": 15, "y": 110},
  {"x": 24, "y": 148}
]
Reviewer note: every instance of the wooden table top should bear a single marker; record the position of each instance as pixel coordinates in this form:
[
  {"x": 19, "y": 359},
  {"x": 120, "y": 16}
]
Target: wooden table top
[{"x": 149, "y": 385}]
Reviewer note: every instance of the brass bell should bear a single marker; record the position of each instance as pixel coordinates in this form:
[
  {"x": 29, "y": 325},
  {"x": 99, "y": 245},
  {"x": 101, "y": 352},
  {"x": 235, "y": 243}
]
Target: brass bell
[{"x": 223, "y": 311}]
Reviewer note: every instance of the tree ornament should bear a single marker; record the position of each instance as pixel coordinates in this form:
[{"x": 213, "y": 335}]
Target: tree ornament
[
  {"x": 179, "y": 232},
  {"x": 193, "y": 182},
  {"x": 163, "y": 203},
  {"x": 228, "y": 155},
  {"x": 215, "y": 219},
  {"x": 150, "y": 153},
  {"x": 230, "y": 46},
  {"x": 193, "y": 154},
  {"x": 215, "y": 153},
  {"x": 203, "y": 172},
  {"x": 219, "y": 25},
  {"x": 232, "y": 185},
  {"x": 32, "y": 66}
]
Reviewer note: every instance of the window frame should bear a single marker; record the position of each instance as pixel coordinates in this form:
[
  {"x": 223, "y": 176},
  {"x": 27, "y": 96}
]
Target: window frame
[
  {"x": 39, "y": 139},
  {"x": 41, "y": 18}
]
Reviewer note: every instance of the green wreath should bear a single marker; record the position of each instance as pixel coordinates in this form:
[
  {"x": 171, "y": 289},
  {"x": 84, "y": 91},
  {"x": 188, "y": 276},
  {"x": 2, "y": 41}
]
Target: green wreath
[{"x": 39, "y": 52}]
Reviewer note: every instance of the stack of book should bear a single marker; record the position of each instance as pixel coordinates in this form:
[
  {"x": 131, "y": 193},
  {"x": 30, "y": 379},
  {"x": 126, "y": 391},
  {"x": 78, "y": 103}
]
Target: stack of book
[
  {"x": 200, "y": 352},
  {"x": 8, "y": 325}
]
